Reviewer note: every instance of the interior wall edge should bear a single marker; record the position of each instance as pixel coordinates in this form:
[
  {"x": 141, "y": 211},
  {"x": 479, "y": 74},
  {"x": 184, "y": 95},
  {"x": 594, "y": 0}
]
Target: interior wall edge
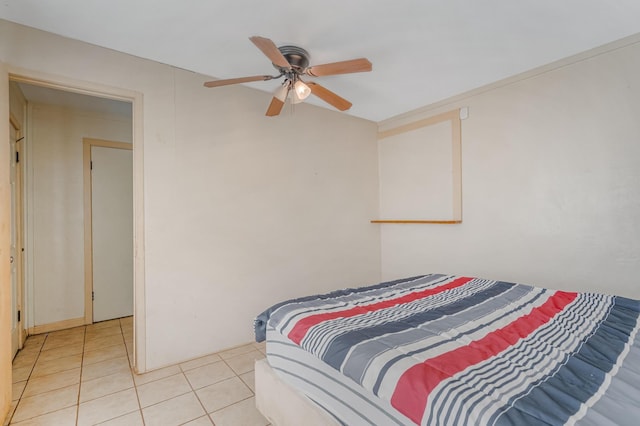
[{"x": 5, "y": 242}]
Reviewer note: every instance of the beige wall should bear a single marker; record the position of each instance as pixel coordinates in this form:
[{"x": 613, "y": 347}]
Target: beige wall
[
  {"x": 245, "y": 210},
  {"x": 55, "y": 225},
  {"x": 240, "y": 210},
  {"x": 551, "y": 183}
]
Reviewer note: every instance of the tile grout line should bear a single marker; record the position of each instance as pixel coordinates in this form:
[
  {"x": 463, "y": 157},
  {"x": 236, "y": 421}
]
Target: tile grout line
[
  {"x": 27, "y": 381},
  {"x": 84, "y": 341},
  {"x": 196, "y": 395},
  {"x": 131, "y": 372}
]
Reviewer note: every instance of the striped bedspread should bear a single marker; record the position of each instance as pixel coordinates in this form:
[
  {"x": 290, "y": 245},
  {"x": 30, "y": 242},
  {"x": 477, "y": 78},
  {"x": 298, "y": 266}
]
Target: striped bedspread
[{"x": 458, "y": 350}]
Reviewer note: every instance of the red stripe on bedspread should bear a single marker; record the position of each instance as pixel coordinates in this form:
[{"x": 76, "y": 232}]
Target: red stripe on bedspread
[
  {"x": 302, "y": 327},
  {"x": 414, "y": 386}
]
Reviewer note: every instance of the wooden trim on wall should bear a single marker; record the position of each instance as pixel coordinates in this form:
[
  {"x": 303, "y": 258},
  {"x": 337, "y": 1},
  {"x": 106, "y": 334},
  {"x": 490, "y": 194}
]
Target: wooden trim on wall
[
  {"x": 58, "y": 325},
  {"x": 429, "y": 121},
  {"x": 436, "y": 222},
  {"x": 456, "y": 158},
  {"x": 87, "y": 143}
]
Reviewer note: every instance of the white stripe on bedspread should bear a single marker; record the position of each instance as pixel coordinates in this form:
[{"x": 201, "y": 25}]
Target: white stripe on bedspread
[{"x": 329, "y": 389}]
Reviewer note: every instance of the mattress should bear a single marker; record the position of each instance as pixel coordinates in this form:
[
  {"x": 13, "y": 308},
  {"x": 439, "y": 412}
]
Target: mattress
[
  {"x": 343, "y": 399},
  {"x": 442, "y": 349}
]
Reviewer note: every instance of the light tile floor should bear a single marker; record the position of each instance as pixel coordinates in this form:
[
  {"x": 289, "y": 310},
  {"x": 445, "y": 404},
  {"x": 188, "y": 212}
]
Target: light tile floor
[{"x": 83, "y": 376}]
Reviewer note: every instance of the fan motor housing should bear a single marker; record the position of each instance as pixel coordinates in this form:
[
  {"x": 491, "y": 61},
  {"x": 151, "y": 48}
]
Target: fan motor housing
[{"x": 297, "y": 57}]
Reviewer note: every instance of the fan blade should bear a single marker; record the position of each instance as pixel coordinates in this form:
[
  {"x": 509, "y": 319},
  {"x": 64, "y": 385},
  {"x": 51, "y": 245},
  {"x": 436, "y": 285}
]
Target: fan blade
[
  {"x": 217, "y": 83},
  {"x": 343, "y": 67},
  {"x": 274, "y": 107},
  {"x": 271, "y": 51},
  {"x": 329, "y": 97}
]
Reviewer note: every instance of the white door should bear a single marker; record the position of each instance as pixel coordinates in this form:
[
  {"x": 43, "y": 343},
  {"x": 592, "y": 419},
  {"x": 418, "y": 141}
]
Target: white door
[
  {"x": 112, "y": 232},
  {"x": 15, "y": 249}
]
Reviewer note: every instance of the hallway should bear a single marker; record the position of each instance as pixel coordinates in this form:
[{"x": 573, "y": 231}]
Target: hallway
[{"x": 83, "y": 376}]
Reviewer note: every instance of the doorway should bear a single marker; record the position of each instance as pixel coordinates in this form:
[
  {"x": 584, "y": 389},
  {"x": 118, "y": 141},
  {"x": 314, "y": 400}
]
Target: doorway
[
  {"x": 108, "y": 219},
  {"x": 58, "y": 118},
  {"x": 134, "y": 100}
]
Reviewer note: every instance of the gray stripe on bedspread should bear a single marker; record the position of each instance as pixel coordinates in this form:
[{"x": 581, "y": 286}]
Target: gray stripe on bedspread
[
  {"x": 356, "y": 369},
  {"x": 261, "y": 320}
]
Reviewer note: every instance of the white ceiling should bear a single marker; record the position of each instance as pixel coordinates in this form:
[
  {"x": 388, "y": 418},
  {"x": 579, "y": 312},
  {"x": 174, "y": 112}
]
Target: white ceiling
[{"x": 422, "y": 51}]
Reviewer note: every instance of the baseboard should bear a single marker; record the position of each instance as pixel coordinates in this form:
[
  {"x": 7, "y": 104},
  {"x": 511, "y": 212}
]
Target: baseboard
[{"x": 55, "y": 326}]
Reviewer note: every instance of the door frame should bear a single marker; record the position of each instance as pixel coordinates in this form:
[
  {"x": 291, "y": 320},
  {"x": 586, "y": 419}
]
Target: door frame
[
  {"x": 10, "y": 73},
  {"x": 87, "y": 144},
  {"x": 19, "y": 229}
]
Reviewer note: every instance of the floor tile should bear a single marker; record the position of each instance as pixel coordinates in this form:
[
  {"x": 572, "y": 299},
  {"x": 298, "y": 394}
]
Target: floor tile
[
  {"x": 245, "y": 362},
  {"x": 61, "y": 352},
  {"x": 130, "y": 356},
  {"x": 131, "y": 419},
  {"x": 262, "y": 346},
  {"x": 47, "y": 402},
  {"x": 199, "y": 362},
  {"x": 17, "y": 389},
  {"x": 163, "y": 389},
  {"x": 175, "y": 411},
  {"x": 53, "y": 342},
  {"x": 26, "y": 359},
  {"x": 129, "y": 344},
  {"x": 209, "y": 374},
  {"x": 249, "y": 379},
  {"x": 20, "y": 374},
  {"x": 51, "y": 382},
  {"x": 222, "y": 394},
  {"x": 89, "y": 365},
  {"x": 64, "y": 417},
  {"x": 69, "y": 332},
  {"x": 103, "y": 341},
  {"x": 161, "y": 373},
  {"x": 102, "y": 386},
  {"x": 34, "y": 342},
  {"x": 43, "y": 368},
  {"x": 105, "y": 368},
  {"x": 200, "y": 421},
  {"x": 107, "y": 407},
  {"x": 236, "y": 351},
  {"x": 96, "y": 333},
  {"x": 105, "y": 353},
  {"x": 103, "y": 324},
  {"x": 12, "y": 408},
  {"x": 242, "y": 413}
]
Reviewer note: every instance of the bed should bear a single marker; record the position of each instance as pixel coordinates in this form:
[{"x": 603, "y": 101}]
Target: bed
[{"x": 447, "y": 350}]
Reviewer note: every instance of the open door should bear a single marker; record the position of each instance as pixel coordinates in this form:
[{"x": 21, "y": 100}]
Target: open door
[{"x": 16, "y": 247}]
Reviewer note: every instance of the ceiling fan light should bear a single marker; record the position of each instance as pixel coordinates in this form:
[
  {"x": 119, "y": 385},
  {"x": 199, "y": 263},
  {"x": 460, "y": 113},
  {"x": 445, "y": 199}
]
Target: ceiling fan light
[
  {"x": 302, "y": 90},
  {"x": 282, "y": 92},
  {"x": 295, "y": 99}
]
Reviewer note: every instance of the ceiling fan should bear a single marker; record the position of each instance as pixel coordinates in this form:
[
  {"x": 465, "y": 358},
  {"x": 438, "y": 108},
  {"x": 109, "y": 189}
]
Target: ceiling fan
[{"x": 292, "y": 62}]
